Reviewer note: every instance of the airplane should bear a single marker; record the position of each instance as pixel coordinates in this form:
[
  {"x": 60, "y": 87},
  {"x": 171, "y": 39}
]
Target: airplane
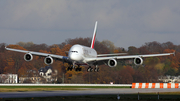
[{"x": 82, "y": 55}]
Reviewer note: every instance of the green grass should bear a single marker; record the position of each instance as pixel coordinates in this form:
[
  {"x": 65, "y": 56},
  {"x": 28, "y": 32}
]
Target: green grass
[{"x": 49, "y": 88}]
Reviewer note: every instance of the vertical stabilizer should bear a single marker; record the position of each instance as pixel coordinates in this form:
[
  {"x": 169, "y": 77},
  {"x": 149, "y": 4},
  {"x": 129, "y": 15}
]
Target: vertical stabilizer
[{"x": 94, "y": 35}]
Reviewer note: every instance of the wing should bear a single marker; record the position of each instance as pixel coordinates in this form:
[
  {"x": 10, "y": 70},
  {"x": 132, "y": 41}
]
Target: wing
[
  {"x": 126, "y": 57},
  {"x": 99, "y": 55},
  {"x": 38, "y": 53}
]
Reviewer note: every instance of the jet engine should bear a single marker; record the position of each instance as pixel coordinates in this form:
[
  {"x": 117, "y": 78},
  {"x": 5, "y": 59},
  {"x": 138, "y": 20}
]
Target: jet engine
[
  {"x": 112, "y": 63},
  {"x": 48, "y": 60},
  {"x": 28, "y": 57},
  {"x": 138, "y": 61}
]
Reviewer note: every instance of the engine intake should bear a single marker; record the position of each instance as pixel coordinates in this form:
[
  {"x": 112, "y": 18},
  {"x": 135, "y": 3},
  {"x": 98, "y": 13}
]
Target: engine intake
[
  {"x": 28, "y": 57},
  {"x": 48, "y": 60},
  {"x": 112, "y": 63},
  {"x": 138, "y": 61}
]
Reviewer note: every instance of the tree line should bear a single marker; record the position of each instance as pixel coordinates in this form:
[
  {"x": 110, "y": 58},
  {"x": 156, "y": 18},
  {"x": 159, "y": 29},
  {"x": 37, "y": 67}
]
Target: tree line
[{"x": 125, "y": 72}]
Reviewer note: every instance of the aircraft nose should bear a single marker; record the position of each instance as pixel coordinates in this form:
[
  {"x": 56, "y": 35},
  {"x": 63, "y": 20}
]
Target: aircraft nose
[
  {"x": 75, "y": 57},
  {"x": 72, "y": 57}
]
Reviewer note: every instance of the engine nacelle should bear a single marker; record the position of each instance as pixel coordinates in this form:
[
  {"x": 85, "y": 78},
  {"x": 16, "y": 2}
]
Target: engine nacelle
[
  {"x": 48, "y": 60},
  {"x": 28, "y": 57},
  {"x": 112, "y": 63},
  {"x": 138, "y": 61}
]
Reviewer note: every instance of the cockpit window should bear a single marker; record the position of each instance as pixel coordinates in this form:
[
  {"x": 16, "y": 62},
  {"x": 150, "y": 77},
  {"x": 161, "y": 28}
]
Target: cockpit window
[{"x": 74, "y": 51}]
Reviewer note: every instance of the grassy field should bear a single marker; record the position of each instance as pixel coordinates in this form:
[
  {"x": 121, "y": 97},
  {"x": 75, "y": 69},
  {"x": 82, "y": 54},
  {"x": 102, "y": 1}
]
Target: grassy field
[
  {"x": 174, "y": 96},
  {"x": 49, "y": 88}
]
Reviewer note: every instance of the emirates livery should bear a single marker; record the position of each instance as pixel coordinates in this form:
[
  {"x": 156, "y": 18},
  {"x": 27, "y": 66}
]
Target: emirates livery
[{"x": 82, "y": 55}]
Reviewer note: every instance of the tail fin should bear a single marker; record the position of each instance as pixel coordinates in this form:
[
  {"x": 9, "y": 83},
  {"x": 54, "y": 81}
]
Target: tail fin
[{"x": 94, "y": 35}]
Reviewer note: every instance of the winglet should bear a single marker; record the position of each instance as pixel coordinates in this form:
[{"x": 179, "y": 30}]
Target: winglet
[
  {"x": 174, "y": 53},
  {"x": 94, "y": 35},
  {"x": 5, "y": 47}
]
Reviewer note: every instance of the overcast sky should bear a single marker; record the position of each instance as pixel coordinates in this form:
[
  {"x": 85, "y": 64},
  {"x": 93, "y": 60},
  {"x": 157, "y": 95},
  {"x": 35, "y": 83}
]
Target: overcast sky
[{"x": 124, "y": 22}]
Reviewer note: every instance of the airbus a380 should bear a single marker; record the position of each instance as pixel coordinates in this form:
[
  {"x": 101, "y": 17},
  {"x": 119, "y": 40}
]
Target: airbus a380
[{"x": 82, "y": 55}]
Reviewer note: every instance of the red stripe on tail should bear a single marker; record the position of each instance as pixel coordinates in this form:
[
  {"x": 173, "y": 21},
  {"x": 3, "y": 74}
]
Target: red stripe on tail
[{"x": 94, "y": 35}]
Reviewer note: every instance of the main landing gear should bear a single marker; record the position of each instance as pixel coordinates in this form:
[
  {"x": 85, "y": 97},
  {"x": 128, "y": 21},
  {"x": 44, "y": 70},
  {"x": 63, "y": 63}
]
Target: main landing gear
[
  {"x": 91, "y": 69},
  {"x": 73, "y": 67},
  {"x": 78, "y": 68},
  {"x": 69, "y": 69}
]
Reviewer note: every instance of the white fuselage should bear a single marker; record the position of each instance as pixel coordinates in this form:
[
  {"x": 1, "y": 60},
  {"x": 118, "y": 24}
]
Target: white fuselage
[{"x": 79, "y": 53}]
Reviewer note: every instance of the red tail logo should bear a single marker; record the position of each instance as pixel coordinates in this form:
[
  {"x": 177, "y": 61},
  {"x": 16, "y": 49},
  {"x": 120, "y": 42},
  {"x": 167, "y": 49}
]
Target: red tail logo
[{"x": 94, "y": 35}]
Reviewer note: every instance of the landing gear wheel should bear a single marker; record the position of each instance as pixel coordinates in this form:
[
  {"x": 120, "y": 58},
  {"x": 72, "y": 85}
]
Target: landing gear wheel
[
  {"x": 89, "y": 69},
  {"x": 69, "y": 69},
  {"x": 96, "y": 70},
  {"x": 78, "y": 69}
]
